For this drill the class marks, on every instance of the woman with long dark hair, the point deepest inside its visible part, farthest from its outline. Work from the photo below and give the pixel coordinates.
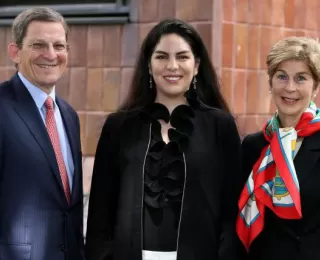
(166, 177)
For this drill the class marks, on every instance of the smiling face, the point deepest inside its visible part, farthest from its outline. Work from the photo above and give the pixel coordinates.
(42, 58)
(292, 88)
(173, 66)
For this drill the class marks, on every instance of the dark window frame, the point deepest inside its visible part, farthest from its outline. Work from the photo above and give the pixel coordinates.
(111, 13)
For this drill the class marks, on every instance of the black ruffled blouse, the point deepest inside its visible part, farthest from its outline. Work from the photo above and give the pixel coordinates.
(165, 176)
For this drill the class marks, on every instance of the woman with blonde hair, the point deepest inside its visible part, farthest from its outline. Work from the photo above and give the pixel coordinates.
(279, 215)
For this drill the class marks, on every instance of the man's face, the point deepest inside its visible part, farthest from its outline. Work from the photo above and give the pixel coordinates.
(43, 56)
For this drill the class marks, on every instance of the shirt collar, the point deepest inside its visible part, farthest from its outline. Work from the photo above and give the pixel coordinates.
(38, 95)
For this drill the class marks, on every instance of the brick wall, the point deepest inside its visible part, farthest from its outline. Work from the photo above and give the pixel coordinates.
(237, 33)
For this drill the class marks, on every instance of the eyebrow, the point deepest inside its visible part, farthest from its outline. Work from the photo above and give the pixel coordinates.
(178, 53)
(44, 41)
(300, 73)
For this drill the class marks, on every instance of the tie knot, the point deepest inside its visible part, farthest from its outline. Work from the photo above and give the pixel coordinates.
(49, 103)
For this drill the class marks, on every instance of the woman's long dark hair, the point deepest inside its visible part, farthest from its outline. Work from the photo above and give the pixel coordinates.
(208, 86)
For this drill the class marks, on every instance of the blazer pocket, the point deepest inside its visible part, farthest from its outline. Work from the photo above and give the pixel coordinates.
(15, 251)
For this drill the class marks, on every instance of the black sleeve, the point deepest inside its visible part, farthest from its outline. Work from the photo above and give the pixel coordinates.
(103, 195)
(230, 245)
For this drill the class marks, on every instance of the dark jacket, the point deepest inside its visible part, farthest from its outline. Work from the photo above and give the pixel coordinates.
(36, 222)
(290, 239)
(211, 190)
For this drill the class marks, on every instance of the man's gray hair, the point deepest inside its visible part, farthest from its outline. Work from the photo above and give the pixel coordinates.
(44, 14)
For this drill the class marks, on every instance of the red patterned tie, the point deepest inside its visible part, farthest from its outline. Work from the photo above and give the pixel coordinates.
(54, 137)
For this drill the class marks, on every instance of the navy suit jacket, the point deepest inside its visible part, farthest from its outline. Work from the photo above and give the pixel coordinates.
(36, 222)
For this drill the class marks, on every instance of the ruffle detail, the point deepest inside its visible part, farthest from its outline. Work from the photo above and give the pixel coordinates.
(164, 167)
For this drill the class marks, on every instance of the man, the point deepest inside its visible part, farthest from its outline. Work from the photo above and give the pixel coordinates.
(41, 202)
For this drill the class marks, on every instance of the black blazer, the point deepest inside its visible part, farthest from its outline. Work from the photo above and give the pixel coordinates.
(212, 188)
(36, 222)
(290, 239)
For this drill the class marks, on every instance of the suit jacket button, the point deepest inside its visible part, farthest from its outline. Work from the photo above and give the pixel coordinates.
(63, 247)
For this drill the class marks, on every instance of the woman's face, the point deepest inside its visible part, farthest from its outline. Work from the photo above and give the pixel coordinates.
(173, 66)
(292, 88)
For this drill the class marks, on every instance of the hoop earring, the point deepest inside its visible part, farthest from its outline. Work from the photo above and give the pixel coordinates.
(150, 82)
(194, 83)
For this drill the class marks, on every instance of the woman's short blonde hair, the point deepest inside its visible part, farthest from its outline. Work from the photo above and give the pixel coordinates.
(295, 48)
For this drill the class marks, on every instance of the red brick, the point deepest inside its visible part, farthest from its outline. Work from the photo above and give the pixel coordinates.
(254, 37)
(188, 12)
(262, 120)
(203, 10)
(266, 9)
(8, 38)
(3, 74)
(289, 33)
(82, 119)
(300, 33)
(94, 89)
(95, 46)
(112, 46)
(272, 108)
(278, 12)
(148, 10)
(242, 8)
(94, 124)
(229, 10)
(299, 14)
(289, 13)
(312, 8)
(167, 9)
(252, 92)
(312, 34)
(111, 89)
(78, 88)
(78, 42)
(130, 51)
(241, 45)
(240, 92)
(227, 45)
(270, 35)
(11, 71)
(227, 86)
(3, 48)
(62, 87)
(143, 32)
(247, 125)
(318, 18)
(205, 31)
(126, 76)
(264, 95)
(255, 10)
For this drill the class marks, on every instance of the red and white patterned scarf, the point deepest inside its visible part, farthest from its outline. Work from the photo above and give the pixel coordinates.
(273, 181)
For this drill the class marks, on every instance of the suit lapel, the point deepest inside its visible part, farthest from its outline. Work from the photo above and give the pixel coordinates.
(70, 126)
(29, 113)
(307, 156)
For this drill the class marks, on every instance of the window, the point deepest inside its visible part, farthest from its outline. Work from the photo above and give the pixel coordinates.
(74, 11)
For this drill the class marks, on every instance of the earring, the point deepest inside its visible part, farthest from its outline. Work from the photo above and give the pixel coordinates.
(150, 82)
(194, 83)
